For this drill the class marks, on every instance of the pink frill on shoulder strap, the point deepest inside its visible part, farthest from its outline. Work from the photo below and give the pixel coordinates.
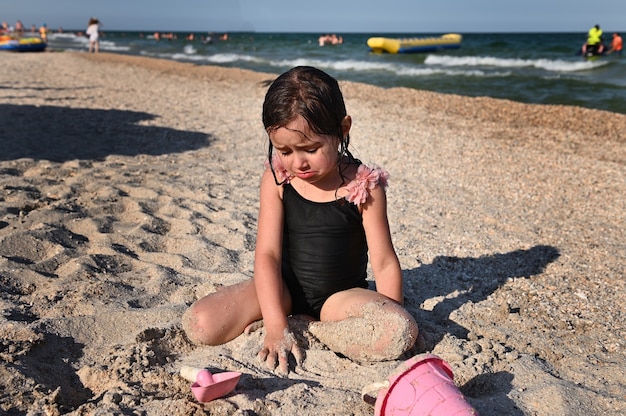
(282, 176)
(366, 179)
(358, 189)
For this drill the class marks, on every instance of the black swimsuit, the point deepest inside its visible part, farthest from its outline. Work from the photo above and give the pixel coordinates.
(324, 250)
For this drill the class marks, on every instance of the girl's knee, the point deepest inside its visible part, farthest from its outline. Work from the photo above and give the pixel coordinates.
(197, 327)
(190, 325)
(381, 331)
(408, 323)
(408, 330)
(222, 315)
(397, 332)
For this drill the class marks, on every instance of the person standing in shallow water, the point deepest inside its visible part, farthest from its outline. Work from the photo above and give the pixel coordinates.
(616, 44)
(93, 32)
(322, 212)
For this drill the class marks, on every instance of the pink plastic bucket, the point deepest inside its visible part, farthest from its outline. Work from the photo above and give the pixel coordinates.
(421, 386)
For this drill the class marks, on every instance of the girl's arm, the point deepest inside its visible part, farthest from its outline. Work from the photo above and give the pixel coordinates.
(268, 279)
(383, 258)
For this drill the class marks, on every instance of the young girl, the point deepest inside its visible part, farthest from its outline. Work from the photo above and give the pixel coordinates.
(93, 31)
(320, 212)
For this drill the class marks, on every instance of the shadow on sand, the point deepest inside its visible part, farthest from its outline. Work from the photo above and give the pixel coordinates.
(460, 280)
(60, 134)
(454, 281)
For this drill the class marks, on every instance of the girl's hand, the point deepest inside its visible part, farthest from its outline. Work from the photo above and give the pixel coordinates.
(276, 349)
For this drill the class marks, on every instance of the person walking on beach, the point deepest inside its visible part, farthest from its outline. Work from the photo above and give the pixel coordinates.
(93, 31)
(321, 209)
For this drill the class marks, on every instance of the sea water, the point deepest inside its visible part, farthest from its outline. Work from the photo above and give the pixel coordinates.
(544, 68)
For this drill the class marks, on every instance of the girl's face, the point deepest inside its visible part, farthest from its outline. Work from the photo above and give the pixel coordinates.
(305, 154)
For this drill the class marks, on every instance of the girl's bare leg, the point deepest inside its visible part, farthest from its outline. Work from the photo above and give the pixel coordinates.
(223, 315)
(364, 325)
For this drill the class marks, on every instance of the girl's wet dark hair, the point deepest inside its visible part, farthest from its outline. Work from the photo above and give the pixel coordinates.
(311, 93)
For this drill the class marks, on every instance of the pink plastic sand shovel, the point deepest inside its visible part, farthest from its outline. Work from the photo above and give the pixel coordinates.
(207, 386)
(421, 386)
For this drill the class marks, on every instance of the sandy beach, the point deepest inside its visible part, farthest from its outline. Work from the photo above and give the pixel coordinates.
(129, 188)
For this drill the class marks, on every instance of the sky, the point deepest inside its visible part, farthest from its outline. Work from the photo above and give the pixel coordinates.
(322, 16)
